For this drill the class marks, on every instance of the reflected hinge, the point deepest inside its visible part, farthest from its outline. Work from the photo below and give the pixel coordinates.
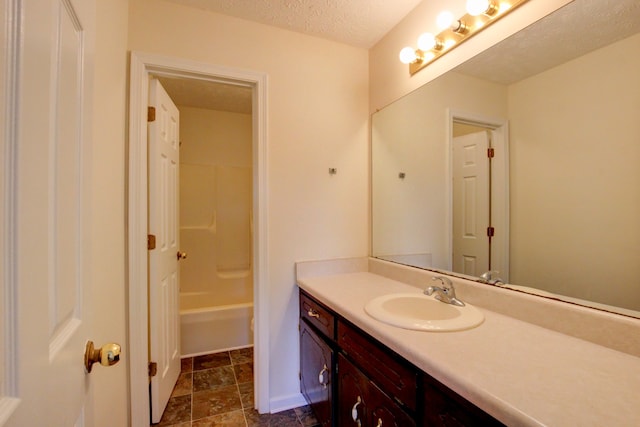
(151, 114)
(151, 242)
(153, 369)
(491, 153)
(490, 231)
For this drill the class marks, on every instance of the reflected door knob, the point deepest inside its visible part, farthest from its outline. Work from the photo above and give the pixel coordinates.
(107, 355)
(182, 255)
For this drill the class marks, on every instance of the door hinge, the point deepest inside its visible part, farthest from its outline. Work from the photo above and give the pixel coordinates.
(490, 231)
(491, 153)
(300, 375)
(153, 369)
(151, 242)
(151, 114)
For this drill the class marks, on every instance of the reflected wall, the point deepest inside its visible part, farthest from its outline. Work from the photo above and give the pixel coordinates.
(575, 177)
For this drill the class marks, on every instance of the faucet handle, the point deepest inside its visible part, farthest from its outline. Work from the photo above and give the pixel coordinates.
(446, 282)
(431, 289)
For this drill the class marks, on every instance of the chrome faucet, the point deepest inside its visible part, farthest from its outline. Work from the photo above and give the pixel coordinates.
(491, 278)
(445, 293)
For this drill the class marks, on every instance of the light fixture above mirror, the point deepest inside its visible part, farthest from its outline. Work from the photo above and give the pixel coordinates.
(480, 14)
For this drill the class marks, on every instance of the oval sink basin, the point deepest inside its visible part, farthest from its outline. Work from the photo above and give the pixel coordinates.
(420, 312)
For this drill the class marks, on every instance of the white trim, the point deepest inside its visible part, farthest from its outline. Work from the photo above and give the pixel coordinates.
(284, 403)
(11, 40)
(500, 177)
(142, 64)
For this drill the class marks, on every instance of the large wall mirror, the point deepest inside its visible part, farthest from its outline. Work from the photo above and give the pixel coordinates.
(523, 161)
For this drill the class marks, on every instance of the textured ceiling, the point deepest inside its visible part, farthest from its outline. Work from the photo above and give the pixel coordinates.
(355, 22)
(208, 95)
(572, 31)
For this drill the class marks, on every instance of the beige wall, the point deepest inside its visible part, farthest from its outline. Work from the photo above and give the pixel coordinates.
(108, 190)
(390, 79)
(317, 119)
(574, 172)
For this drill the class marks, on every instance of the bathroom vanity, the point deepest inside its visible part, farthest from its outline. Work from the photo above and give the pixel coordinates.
(358, 371)
(350, 378)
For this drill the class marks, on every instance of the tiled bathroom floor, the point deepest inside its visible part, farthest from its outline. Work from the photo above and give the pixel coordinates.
(217, 390)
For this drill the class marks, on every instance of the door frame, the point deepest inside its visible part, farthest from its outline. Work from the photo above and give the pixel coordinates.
(141, 66)
(10, 41)
(499, 176)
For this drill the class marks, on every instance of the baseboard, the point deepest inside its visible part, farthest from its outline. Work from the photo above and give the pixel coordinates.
(282, 403)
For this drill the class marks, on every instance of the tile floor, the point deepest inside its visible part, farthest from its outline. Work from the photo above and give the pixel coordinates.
(217, 390)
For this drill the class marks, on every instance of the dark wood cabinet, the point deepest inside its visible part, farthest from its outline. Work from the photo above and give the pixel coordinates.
(393, 374)
(317, 315)
(361, 403)
(445, 408)
(351, 379)
(316, 373)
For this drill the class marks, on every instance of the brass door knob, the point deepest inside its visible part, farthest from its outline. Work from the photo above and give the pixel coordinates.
(182, 255)
(107, 355)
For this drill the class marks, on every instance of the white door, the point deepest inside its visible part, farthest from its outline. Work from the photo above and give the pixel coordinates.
(164, 284)
(46, 250)
(471, 203)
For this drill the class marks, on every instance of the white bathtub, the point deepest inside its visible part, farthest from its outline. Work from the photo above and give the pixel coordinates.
(207, 329)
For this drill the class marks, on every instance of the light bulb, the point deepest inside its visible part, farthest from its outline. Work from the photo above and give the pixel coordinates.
(444, 20)
(477, 7)
(408, 55)
(427, 41)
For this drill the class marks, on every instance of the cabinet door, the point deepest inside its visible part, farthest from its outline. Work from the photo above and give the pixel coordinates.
(444, 408)
(316, 373)
(352, 395)
(362, 403)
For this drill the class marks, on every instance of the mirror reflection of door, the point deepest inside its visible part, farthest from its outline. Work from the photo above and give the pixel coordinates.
(471, 202)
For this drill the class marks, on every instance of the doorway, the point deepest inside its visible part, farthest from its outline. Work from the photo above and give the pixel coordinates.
(142, 67)
(215, 214)
(478, 194)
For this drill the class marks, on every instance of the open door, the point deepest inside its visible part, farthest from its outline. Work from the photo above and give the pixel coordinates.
(471, 203)
(164, 277)
(46, 219)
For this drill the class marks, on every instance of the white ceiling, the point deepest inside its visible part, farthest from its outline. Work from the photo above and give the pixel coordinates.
(359, 23)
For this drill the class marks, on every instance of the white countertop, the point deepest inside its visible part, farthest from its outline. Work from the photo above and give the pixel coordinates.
(520, 373)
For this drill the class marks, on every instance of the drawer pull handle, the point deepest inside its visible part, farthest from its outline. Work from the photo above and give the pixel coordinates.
(354, 411)
(321, 376)
(379, 422)
(313, 313)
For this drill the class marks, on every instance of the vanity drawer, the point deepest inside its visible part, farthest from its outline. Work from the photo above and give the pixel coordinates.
(317, 315)
(394, 377)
